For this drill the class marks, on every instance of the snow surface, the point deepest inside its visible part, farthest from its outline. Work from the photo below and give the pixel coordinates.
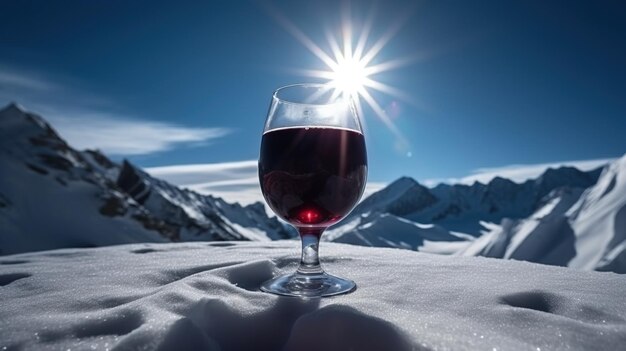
(206, 296)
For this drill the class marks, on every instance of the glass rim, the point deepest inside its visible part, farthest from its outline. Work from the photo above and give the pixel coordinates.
(349, 101)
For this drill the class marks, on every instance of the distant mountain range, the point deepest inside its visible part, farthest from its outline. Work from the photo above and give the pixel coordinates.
(564, 217)
(53, 196)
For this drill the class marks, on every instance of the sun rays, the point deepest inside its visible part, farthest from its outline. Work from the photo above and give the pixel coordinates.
(350, 62)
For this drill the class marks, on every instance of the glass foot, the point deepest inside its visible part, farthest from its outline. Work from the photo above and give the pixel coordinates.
(308, 285)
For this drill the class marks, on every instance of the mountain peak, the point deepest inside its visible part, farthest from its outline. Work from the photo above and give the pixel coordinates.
(12, 112)
(557, 171)
(404, 183)
(564, 175)
(12, 107)
(499, 181)
(403, 196)
(14, 117)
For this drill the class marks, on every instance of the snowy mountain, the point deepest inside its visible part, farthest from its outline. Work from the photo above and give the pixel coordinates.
(199, 296)
(462, 208)
(580, 229)
(388, 230)
(53, 196)
(564, 217)
(200, 217)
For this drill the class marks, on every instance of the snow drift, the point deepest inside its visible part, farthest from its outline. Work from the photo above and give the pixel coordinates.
(205, 296)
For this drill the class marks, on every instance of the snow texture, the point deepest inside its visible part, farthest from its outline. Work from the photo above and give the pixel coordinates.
(205, 296)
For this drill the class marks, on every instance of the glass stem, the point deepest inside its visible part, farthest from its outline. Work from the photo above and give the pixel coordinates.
(310, 262)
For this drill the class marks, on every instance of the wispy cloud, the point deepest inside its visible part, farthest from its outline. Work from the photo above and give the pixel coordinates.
(10, 80)
(87, 120)
(117, 135)
(518, 172)
(233, 181)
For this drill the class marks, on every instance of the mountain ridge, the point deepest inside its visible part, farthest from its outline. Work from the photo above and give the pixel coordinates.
(453, 203)
(563, 217)
(53, 196)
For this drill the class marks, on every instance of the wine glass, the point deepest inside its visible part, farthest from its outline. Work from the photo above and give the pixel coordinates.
(312, 170)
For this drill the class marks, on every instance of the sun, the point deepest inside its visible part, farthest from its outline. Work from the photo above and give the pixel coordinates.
(351, 64)
(349, 75)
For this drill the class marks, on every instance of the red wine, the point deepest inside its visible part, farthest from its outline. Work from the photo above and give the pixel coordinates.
(312, 177)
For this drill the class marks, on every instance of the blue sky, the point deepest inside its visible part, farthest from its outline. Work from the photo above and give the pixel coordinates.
(488, 84)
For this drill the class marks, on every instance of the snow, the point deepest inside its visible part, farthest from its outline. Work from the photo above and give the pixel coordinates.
(574, 228)
(209, 215)
(600, 217)
(205, 296)
(470, 209)
(564, 217)
(52, 196)
(387, 230)
(47, 190)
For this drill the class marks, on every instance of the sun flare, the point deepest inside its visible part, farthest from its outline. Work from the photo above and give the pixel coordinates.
(351, 64)
(349, 76)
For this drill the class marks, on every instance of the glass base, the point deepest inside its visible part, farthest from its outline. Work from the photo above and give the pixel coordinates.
(308, 285)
